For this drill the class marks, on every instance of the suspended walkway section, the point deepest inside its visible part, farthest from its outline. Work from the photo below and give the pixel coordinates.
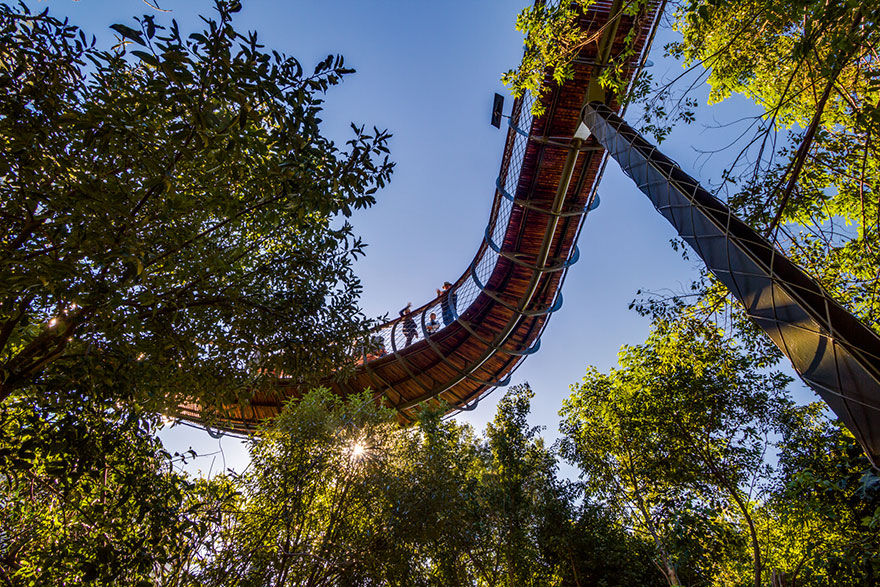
(493, 315)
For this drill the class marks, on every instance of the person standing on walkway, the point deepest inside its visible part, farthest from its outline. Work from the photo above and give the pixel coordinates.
(409, 325)
(447, 303)
(432, 325)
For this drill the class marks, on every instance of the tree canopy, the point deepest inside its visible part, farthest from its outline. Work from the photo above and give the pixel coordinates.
(172, 220)
(680, 441)
(172, 229)
(337, 493)
(685, 419)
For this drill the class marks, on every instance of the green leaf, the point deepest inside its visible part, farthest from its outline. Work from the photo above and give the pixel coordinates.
(147, 58)
(129, 33)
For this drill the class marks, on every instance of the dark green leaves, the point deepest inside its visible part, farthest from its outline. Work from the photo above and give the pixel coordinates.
(147, 58)
(91, 499)
(176, 214)
(129, 33)
(428, 505)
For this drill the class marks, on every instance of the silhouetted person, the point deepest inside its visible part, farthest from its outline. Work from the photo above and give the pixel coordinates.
(447, 303)
(409, 325)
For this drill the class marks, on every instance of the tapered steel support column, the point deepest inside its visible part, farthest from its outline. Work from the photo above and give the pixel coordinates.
(834, 353)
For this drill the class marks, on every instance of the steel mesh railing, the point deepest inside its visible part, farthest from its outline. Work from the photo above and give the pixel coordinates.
(495, 321)
(393, 336)
(516, 315)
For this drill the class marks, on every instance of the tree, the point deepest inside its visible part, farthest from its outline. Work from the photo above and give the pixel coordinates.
(822, 515)
(674, 441)
(90, 497)
(312, 506)
(493, 510)
(171, 217)
(519, 483)
(551, 532)
(811, 158)
(339, 494)
(590, 546)
(435, 513)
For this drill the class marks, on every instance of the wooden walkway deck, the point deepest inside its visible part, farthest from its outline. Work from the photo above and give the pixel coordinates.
(546, 185)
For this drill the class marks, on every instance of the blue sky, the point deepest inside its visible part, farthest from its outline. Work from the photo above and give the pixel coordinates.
(426, 71)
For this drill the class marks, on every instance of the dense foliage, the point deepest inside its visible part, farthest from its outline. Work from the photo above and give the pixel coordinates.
(339, 494)
(680, 428)
(89, 496)
(177, 237)
(336, 494)
(171, 217)
(694, 444)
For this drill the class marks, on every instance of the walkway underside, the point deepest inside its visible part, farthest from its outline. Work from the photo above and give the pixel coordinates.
(503, 300)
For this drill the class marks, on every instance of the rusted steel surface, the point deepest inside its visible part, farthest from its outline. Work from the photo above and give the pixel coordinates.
(511, 287)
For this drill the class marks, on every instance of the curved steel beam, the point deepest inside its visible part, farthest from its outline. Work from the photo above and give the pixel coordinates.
(832, 351)
(538, 267)
(493, 294)
(529, 206)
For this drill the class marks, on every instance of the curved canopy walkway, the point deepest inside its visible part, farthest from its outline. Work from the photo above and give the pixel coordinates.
(470, 339)
(493, 315)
